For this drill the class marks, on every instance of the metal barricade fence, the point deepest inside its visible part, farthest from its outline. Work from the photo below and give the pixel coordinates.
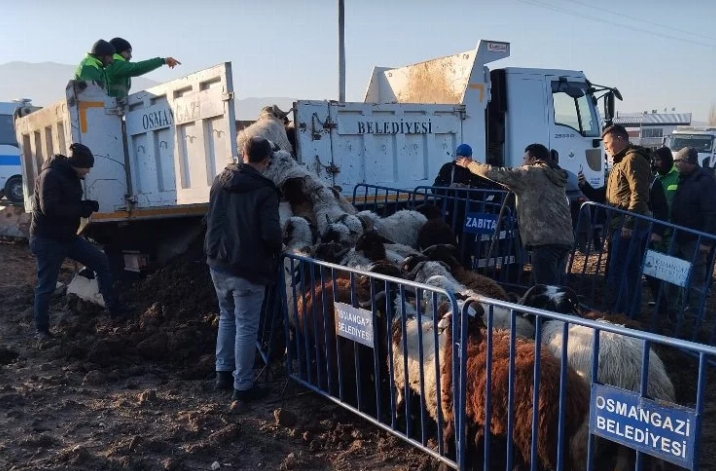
(270, 341)
(382, 200)
(347, 340)
(483, 220)
(485, 223)
(599, 385)
(658, 274)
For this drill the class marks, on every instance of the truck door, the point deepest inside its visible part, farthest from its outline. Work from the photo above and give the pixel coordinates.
(313, 138)
(575, 133)
(180, 135)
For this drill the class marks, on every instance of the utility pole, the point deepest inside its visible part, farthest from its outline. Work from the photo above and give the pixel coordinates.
(341, 52)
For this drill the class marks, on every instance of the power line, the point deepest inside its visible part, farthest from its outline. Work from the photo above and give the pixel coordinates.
(611, 12)
(612, 23)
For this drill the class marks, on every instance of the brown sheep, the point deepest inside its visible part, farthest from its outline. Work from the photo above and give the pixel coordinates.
(576, 398)
(476, 282)
(317, 334)
(293, 191)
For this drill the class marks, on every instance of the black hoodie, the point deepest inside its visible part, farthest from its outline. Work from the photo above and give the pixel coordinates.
(243, 234)
(57, 202)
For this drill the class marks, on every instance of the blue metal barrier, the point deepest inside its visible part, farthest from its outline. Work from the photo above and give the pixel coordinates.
(483, 220)
(348, 345)
(485, 223)
(657, 275)
(382, 200)
(340, 333)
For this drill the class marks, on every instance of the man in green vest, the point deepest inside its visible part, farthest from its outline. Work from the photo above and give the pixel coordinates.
(121, 70)
(92, 67)
(663, 162)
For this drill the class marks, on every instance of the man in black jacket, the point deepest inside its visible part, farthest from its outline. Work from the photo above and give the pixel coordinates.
(57, 209)
(694, 207)
(243, 238)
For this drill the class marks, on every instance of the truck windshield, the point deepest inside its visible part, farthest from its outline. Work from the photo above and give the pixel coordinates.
(700, 142)
(7, 131)
(574, 108)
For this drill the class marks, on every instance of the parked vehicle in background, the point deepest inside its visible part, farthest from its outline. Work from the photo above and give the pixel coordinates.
(10, 166)
(700, 138)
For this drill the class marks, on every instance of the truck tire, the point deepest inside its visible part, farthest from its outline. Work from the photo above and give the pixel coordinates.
(13, 189)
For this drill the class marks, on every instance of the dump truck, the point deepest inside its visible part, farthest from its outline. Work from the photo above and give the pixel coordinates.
(158, 151)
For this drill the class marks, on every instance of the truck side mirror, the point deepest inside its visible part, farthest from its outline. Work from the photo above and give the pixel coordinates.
(609, 106)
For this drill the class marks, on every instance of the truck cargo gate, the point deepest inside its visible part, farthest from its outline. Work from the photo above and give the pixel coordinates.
(342, 348)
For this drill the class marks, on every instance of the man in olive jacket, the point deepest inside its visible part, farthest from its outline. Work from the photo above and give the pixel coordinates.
(243, 240)
(627, 189)
(121, 70)
(543, 213)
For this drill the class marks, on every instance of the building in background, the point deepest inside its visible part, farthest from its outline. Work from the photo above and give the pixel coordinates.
(650, 129)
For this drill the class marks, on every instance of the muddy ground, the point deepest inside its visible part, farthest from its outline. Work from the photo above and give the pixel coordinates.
(138, 395)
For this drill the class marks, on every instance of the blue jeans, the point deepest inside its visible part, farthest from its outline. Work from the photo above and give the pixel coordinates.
(624, 272)
(50, 254)
(240, 304)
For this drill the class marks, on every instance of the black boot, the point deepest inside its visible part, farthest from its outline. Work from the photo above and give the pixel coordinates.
(224, 381)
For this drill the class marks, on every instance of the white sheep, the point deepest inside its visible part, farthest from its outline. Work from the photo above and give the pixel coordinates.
(298, 239)
(406, 348)
(620, 356)
(284, 213)
(401, 227)
(269, 125)
(437, 274)
(332, 221)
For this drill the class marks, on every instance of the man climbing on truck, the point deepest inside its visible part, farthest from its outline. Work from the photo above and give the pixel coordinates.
(93, 66)
(121, 70)
(57, 209)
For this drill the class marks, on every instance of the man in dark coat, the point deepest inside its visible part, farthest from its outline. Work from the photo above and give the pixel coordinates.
(243, 239)
(57, 209)
(694, 207)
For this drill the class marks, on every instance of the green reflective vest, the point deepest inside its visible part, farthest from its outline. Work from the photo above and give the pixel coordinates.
(91, 69)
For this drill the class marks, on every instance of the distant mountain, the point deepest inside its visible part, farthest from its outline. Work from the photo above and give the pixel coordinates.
(45, 83)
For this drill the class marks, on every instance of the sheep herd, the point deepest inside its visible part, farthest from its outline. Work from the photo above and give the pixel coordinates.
(409, 369)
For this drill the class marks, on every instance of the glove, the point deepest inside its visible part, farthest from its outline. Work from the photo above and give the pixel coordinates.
(89, 207)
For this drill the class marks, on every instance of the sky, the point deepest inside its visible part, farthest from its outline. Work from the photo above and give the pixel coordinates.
(658, 53)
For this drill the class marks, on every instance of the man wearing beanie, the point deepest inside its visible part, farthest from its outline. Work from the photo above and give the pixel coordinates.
(92, 67)
(694, 207)
(57, 209)
(663, 163)
(121, 70)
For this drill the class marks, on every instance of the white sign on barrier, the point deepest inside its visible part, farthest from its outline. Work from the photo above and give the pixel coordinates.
(354, 324)
(663, 430)
(665, 267)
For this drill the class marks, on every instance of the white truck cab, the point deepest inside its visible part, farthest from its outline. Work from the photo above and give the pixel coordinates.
(700, 138)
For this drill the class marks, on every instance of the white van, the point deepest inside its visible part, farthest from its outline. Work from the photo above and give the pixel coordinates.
(10, 168)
